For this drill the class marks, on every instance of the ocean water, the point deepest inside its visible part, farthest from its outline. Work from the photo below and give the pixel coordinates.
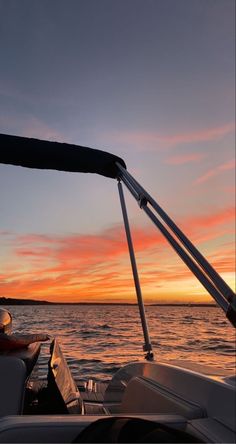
(98, 339)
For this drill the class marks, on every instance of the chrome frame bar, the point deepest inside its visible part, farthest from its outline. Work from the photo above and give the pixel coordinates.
(195, 261)
(147, 345)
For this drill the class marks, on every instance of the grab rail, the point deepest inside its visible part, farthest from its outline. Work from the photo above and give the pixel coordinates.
(195, 261)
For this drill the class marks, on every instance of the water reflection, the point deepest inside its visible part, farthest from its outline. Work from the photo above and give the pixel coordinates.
(97, 340)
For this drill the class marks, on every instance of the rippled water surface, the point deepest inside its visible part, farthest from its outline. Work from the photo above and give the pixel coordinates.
(98, 339)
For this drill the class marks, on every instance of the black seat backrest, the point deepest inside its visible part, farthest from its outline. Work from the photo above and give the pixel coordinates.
(13, 375)
(63, 391)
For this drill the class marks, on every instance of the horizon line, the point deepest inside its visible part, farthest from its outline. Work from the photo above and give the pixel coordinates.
(16, 301)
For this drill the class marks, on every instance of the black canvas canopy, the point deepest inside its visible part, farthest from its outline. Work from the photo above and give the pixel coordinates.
(42, 154)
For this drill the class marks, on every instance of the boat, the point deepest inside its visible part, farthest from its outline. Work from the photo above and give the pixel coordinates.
(149, 401)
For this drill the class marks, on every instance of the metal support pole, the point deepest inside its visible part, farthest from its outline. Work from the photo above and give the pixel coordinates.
(200, 267)
(137, 190)
(147, 346)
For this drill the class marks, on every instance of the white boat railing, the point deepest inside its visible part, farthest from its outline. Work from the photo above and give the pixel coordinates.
(191, 256)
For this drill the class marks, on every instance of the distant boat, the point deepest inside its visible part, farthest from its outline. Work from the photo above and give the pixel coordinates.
(148, 401)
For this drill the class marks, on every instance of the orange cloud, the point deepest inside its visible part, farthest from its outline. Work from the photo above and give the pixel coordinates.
(213, 219)
(216, 171)
(80, 248)
(96, 267)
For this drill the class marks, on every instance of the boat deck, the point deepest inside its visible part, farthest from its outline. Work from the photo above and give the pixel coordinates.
(93, 391)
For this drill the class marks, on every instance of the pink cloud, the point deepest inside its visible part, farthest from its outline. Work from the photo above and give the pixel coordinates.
(215, 171)
(29, 126)
(185, 158)
(230, 190)
(156, 140)
(35, 128)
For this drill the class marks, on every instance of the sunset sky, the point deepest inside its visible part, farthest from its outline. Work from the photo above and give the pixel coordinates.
(149, 80)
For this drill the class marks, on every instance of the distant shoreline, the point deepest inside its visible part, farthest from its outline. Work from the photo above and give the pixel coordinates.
(14, 301)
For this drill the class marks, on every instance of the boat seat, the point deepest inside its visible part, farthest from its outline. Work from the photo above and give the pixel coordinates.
(15, 368)
(143, 395)
(13, 374)
(63, 392)
(28, 355)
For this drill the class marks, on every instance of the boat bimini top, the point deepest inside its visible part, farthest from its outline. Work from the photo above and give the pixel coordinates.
(33, 153)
